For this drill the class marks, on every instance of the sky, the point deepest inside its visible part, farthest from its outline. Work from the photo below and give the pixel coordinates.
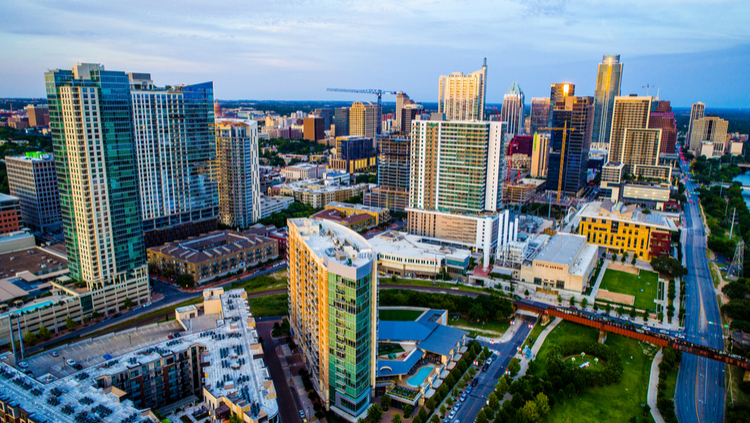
(294, 49)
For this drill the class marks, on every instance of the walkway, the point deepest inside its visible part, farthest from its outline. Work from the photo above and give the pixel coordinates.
(653, 383)
(592, 298)
(537, 346)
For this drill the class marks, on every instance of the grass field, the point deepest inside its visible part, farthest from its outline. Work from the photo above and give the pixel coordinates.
(489, 328)
(644, 286)
(419, 282)
(612, 403)
(399, 315)
(538, 328)
(271, 305)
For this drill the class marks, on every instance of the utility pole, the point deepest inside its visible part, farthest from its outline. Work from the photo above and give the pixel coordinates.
(731, 229)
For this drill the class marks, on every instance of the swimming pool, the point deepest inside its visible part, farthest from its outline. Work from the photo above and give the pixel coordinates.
(27, 309)
(420, 376)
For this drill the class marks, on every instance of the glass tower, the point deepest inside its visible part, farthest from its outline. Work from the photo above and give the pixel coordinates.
(608, 81)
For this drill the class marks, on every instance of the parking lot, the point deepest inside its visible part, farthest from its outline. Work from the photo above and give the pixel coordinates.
(90, 353)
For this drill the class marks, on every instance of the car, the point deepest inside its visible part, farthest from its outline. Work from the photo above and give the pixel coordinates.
(29, 372)
(447, 420)
(452, 414)
(457, 406)
(137, 308)
(177, 335)
(468, 389)
(70, 362)
(107, 357)
(302, 414)
(474, 382)
(54, 354)
(485, 367)
(170, 337)
(77, 366)
(463, 397)
(489, 360)
(148, 304)
(116, 315)
(456, 421)
(23, 364)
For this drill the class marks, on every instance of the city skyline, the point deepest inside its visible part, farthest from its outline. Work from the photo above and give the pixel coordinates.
(284, 45)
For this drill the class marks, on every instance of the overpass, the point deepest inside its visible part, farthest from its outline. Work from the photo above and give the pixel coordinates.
(631, 330)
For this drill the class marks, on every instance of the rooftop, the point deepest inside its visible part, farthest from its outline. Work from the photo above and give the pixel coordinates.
(360, 207)
(32, 260)
(404, 244)
(317, 186)
(210, 246)
(334, 242)
(561, 249)
(626, 213)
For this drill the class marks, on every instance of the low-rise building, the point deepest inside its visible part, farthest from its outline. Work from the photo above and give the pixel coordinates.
(564, 263)
(522, 192)
(407, 256)
(316, 193)
(337, 177)
(275, 204)
(651, 196)
(213, 255)
(355, 222)
(303, 171)
(381, 215)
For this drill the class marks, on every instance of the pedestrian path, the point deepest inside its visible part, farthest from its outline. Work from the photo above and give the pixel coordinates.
(653, 383)
(537, 346)
(595, 290)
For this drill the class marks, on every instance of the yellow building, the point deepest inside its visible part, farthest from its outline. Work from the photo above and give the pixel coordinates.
(622, 228)
(381, 215)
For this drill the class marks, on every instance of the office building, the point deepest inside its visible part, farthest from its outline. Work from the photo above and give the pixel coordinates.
(364, 120)
(608, 81)
(33, 180)
(317, 193)
(565, 262)
(332, 312)
(401, 99)
(340, 122)
(212, 255)
(577, 114)
(407, 256)
(175, 153)
(326, 114)
(539, 115)
(394, 166)
(239, 176)
(519, 151)
(10, 213)
(629, 112)
(354, 154)
(697, 111)
(513, 110)
(96, 162)
(462, 97)
(303, 171)
(557, 95)
(274, 204)
(709, 136)
(38, 115)
(409, 113)
(313, 128)
(539, 155)
(662, 117)
(624, 228)
(639, 147)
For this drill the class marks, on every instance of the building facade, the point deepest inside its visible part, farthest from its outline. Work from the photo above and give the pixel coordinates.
(639, 147)
(608, 82)
(709, 130)
(10, 213)
(354, 154)
(630, 112)
(303, 171)
(662, 117)
(578, 115)
(539, 115)
(539, 155)
(557, 97)
(340, 122)
(316, 193)
(697, 111)
(313, 128)
(239, 177)
(364, 120)
(33, 179)
(38, 115)
(462, 97)
(333, 310)
(513, 110)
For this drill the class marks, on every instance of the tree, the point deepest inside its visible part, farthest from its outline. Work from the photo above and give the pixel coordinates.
(645, 316)
(374, 414)
(596, 306)
(559, 299)
(443, 410)
(634, 260)
(584, 303)
(408, 409)
(422, 414)
(608, 308)
(188, 281)
(530, 412)
(633, 313)
(494, 403)
(430, 404)
(235, 419)
(570, 390)
(572, 301)
(127, 303)
(396, 418)
(44, 333)
(29, 337)
(455, 392)
(449, 401)
(620, 310)
(472, 371)
(481, 417)
(435, 419)
(542, 403)
(386, 402)
(70, 323)
(526, 293)
(514, 367)
(614, 257)
(502, 387)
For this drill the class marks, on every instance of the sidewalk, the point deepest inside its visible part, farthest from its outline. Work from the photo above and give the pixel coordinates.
(653, 382)
(537, 346)
(595, 290)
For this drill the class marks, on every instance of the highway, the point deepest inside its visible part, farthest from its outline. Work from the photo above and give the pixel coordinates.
(700, 392)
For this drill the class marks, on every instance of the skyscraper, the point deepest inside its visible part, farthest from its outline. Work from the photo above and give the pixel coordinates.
(332, 311)
(513, 110)
(662, 118)
(394, 167)
(33, 179)
(578, 114)
(557, 95)
(175, 153)
(363, 119)
(608, 81)
(629, 112)
(38, 115)
(539, 153)
(462, 97)
(95, 156)
(341, 122)
(401, 99)
(539, 114)
(639, 147)
(697, 111)
(239, 174)
(709, 130)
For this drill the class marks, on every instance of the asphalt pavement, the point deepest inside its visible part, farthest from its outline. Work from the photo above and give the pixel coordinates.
(700, 392)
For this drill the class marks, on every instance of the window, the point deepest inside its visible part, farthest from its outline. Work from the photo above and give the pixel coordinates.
(560, 285)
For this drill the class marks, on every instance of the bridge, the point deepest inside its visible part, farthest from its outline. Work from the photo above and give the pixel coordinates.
(631, 330)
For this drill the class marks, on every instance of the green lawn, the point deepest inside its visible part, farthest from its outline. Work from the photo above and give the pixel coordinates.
(383, 280)
(672, 382)
(261, 283)
(643, 286)
(612, 403)
(270, 305)
(538, 328)
(490, 327)
(399, 315)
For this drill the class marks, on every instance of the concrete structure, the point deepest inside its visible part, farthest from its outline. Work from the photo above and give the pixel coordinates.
(735, 147)
(578, 114)
(303, 171)
(712, 130)
(175, 157)
(662, 117)
(557, 97)
(620, 228)
(564, 263)
(476, 232)
(630, 112)
(213, 255)
(336, 177)
(462, 97)
(333, 311)
(274, 204)
(697, 111)
(33, 179)
(408, 256)
(239, 177)
(381, 215)
(652, 196)
(612, 175)
(539, 156)
(354, 154)
(316, 193)
(608, 82)
(38, 115)
(394, 167)
(639, 147)
(313, 128)
(364, 120)
(513, 110)
(539, 114)
(522, 191)
(95, 157)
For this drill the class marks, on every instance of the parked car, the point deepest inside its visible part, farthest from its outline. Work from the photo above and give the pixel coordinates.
(452, 414)
(177, 335)
(148, 304)
(70, 362)
(468, 389)
(23, 364)
(457, 406)
(489, 360)
(463, 397)
(29, 372)
(107, 357)
(475, 382)
(485, 367)
(54, 354)
(77, 366)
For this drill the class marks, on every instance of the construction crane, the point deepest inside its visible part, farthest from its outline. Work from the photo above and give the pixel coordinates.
(378, 93)
(565, 130)
(648, 86)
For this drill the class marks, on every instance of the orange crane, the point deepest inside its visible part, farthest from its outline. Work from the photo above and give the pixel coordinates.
(565, 130)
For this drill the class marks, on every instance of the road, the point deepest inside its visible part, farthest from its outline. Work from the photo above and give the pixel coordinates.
(477, 399)
(700, 392)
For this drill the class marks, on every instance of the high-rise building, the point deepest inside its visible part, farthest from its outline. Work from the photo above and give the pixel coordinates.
(639, 147)
(364, 119)
(608, 81)
(95, 156)
(394, 167)
(539, 154)
(539, 114)
(354, 154)
(333, 312)
(33, 179)
(327, 114)
(513, 110)
(401, 99)
(557, 95)
(239, 174)
(313, 128)
(38, 115)
(697, 111)
(709, 130)
(340, 122)
(662, 117)
(175, 156)
(629, 112)
(462, 97)
(578, 114)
